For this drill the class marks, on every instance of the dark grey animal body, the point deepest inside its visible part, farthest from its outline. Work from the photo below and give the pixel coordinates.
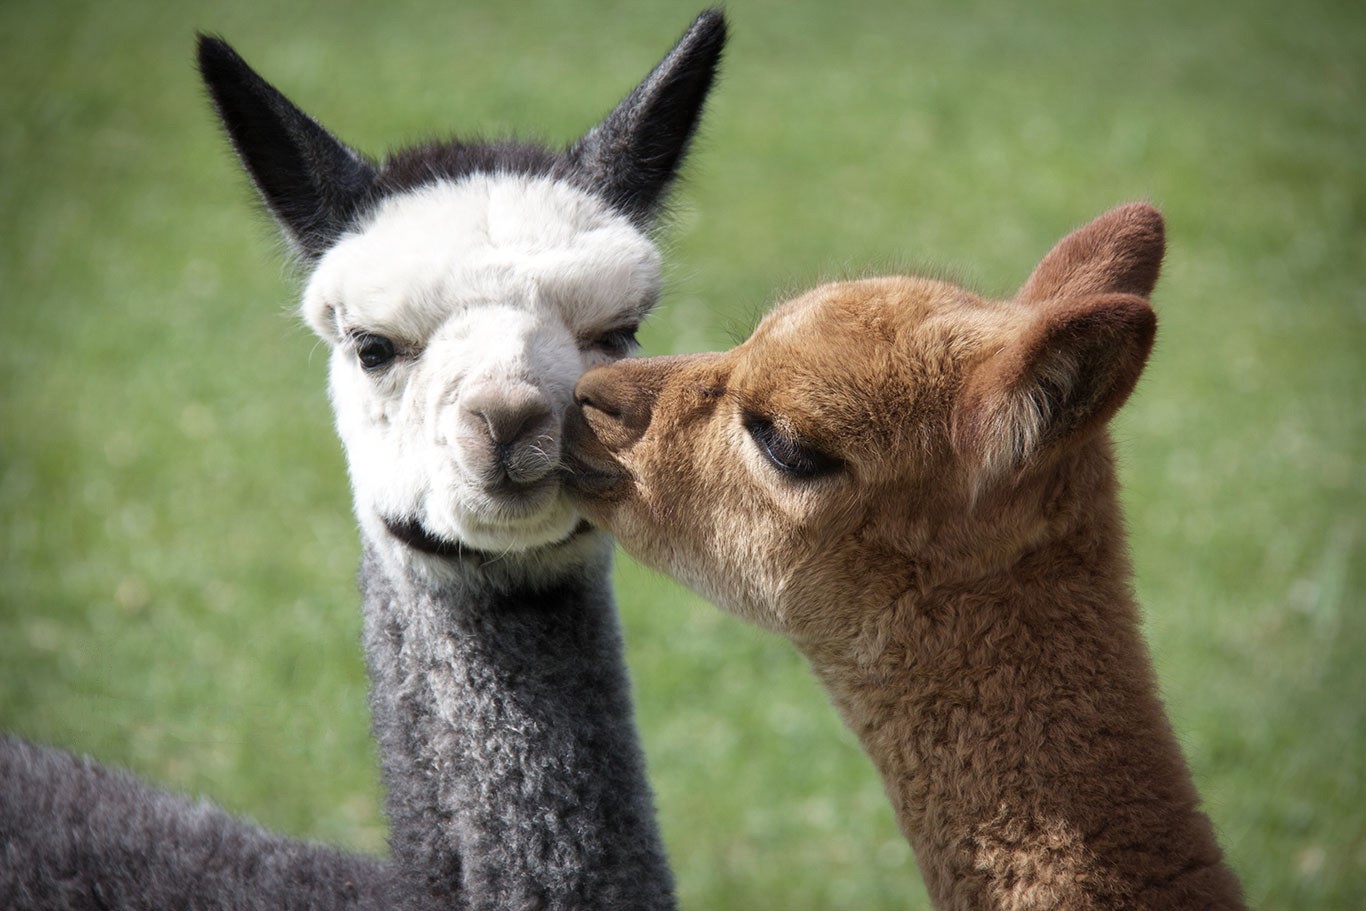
(500, 697)
(503, 714)
(75, 834)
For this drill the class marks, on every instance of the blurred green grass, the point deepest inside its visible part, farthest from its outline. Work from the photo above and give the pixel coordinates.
(176, 588)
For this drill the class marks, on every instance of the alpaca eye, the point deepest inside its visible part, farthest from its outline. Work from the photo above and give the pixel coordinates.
(786, 454)
(374, 351)
(618, 342)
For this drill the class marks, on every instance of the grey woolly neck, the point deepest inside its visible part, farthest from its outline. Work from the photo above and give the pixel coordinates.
(503, 712)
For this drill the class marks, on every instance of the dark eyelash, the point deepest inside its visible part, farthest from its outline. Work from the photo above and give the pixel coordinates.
(375, 352)
(617, 342)
(787, 454)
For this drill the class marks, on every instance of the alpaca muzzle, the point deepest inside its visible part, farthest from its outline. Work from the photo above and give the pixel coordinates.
(588, 469)
(512, 435)
(618, 400)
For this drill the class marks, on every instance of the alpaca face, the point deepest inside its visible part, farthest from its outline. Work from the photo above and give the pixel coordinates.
(464, 287)
(460, 317)
(871, 438)
(771, 476)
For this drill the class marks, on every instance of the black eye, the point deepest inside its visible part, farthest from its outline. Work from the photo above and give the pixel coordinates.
(789, 455)
(617, 342)
(374, 351)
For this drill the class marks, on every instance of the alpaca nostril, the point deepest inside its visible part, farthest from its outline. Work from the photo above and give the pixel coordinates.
(596, 390)
(616, 409)
(584, 400)
(505, 412)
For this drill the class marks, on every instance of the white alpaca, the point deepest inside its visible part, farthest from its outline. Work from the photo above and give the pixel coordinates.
(460, 318)
(463, 288)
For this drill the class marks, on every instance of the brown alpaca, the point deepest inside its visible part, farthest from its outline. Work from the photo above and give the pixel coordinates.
(916, 486)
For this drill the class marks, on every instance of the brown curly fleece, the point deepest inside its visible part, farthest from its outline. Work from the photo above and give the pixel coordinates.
(917, 488)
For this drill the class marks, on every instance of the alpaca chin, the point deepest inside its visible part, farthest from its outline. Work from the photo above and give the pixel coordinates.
(495, 531)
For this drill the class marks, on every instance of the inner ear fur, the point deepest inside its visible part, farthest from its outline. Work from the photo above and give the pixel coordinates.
(1065, 375)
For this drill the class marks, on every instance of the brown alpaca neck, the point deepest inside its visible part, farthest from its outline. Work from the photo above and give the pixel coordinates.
(1016, 724)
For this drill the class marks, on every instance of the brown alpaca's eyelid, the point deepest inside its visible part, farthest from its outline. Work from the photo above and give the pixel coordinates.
(788, 454)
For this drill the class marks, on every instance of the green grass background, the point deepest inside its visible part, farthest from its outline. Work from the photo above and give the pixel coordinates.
(176, 589)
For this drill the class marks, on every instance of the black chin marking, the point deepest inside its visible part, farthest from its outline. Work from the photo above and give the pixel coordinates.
(412, 533)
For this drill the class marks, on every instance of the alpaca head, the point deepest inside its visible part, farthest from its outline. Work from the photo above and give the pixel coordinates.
(463, 288)
(870, 436)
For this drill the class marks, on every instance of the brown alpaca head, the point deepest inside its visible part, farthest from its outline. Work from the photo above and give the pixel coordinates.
(872, 436)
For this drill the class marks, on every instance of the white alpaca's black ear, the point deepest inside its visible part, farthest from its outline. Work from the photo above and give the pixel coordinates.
(633, 156)
(312, 184)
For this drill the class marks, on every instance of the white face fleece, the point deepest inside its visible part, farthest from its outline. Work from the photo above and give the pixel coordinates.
(494, 290)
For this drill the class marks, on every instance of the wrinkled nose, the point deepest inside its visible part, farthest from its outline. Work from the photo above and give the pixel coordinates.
(518, 426)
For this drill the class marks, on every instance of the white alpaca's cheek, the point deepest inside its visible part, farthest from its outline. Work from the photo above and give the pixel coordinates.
(371, 426)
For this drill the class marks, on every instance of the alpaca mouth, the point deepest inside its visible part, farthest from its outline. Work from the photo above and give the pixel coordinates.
(508, 499)
(585, 480)
(587, 472)
(414, 534)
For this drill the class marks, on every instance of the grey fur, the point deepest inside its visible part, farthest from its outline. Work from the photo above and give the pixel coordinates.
(501, 701)
(77, 835)
(503, 713)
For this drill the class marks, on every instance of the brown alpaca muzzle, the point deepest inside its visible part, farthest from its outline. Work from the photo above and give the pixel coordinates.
(618, 400)
(588, 470)
(613, 408)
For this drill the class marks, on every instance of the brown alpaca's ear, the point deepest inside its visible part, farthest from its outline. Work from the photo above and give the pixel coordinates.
(1088, 333)
(1121, 251)
(1067, 374)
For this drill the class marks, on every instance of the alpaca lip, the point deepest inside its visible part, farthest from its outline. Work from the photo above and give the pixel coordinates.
(584, 477)
(583, 480)
(512, 500)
